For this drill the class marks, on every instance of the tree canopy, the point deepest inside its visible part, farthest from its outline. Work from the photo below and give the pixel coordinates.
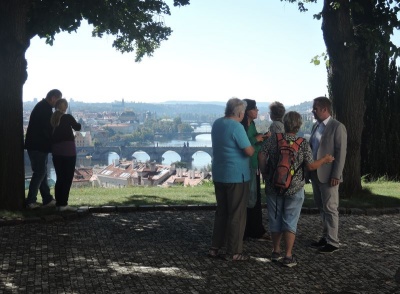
(136, 24)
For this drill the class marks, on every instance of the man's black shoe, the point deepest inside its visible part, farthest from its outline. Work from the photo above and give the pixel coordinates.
(328, 248)
(322, 242)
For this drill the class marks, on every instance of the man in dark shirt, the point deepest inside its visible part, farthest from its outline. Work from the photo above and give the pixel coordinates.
(38, 145)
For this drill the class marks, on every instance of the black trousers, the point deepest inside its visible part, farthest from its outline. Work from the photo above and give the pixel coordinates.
(65, 169)
(254, 225)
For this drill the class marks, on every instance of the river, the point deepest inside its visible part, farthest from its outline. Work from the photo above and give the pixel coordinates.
(200, 159)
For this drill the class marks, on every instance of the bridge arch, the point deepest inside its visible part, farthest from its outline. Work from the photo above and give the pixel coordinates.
(200, 156)
(111, 156)
(174, 155)
(140, 155)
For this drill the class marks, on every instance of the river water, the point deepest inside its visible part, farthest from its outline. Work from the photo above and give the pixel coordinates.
(200, 159)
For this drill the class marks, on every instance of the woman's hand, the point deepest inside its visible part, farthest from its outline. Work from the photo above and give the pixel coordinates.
(260, 138)
(328, 158)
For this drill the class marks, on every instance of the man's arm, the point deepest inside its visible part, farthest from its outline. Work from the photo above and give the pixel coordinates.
(340, 150)
(317, 163)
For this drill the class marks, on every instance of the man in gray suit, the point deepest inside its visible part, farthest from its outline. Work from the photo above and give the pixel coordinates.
(328, 136)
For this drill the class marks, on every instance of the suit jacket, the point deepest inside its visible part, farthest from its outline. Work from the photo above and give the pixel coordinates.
(334, 142)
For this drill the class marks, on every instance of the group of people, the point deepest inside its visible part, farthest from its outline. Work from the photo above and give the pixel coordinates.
(241, 154)
(51, 132)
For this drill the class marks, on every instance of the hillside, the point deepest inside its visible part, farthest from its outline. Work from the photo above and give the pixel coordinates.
(184, 109)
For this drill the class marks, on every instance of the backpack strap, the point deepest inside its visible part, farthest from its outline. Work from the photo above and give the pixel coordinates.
(280, 143)
(297, 143)
(299, 140)
(297, 147)
(279, 137)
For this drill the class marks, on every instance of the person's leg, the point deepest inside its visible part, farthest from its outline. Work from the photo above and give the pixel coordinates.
(330, 203)
(237, 204)
(276, 241)
(70, 162)
(44, 186)
(221, 216)
(274, 206)
(316, 184)
(63, 166)
(254, 225)
(58, 167)
(291, 215)
(289, 242)
(290, 259)
(39, 178)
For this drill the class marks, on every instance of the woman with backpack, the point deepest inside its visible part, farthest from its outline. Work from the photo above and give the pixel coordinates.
(282, 160)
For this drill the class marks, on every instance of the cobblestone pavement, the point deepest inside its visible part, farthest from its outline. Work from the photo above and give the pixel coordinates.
(165, 252)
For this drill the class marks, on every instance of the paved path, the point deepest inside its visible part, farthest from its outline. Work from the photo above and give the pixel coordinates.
(164, 252)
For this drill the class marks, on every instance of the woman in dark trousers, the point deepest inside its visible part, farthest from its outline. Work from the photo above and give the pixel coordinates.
(254, 225)
(64, 153)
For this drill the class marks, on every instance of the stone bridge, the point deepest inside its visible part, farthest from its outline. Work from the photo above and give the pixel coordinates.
(191, 134)
(155, 152)
(194, 134)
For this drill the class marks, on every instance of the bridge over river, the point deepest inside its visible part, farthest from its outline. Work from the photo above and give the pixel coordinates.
(155, 152)
(193, 134)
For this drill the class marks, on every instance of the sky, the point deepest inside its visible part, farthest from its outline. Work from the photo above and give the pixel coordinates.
(257, 49)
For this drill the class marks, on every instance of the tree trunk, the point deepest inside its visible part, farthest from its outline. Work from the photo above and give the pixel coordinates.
(13, 45)
(350, 64)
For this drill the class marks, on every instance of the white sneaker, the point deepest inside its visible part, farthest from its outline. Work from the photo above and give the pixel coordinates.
(33, 205)
(66, 208)
(52, 203)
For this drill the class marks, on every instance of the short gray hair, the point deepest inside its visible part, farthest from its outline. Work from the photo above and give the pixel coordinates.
(276, 110)
(234, 107)
(292, 122)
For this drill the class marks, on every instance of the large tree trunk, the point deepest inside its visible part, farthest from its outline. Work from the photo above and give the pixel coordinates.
(13, 44)
(350, 64)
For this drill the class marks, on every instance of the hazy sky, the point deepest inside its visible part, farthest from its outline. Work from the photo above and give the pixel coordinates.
(259, 49)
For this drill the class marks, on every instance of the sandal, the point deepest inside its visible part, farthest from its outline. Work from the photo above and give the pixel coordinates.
(213, 252)
(240, 257)
(263, 238)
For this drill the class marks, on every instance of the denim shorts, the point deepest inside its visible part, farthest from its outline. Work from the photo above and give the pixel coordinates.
(284, 211)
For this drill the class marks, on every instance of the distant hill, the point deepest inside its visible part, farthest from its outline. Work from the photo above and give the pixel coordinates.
(184, 109)
(221, 103)
(302, 107)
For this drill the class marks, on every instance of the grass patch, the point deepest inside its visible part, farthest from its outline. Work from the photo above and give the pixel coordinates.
(142, 196)
(379, 194)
